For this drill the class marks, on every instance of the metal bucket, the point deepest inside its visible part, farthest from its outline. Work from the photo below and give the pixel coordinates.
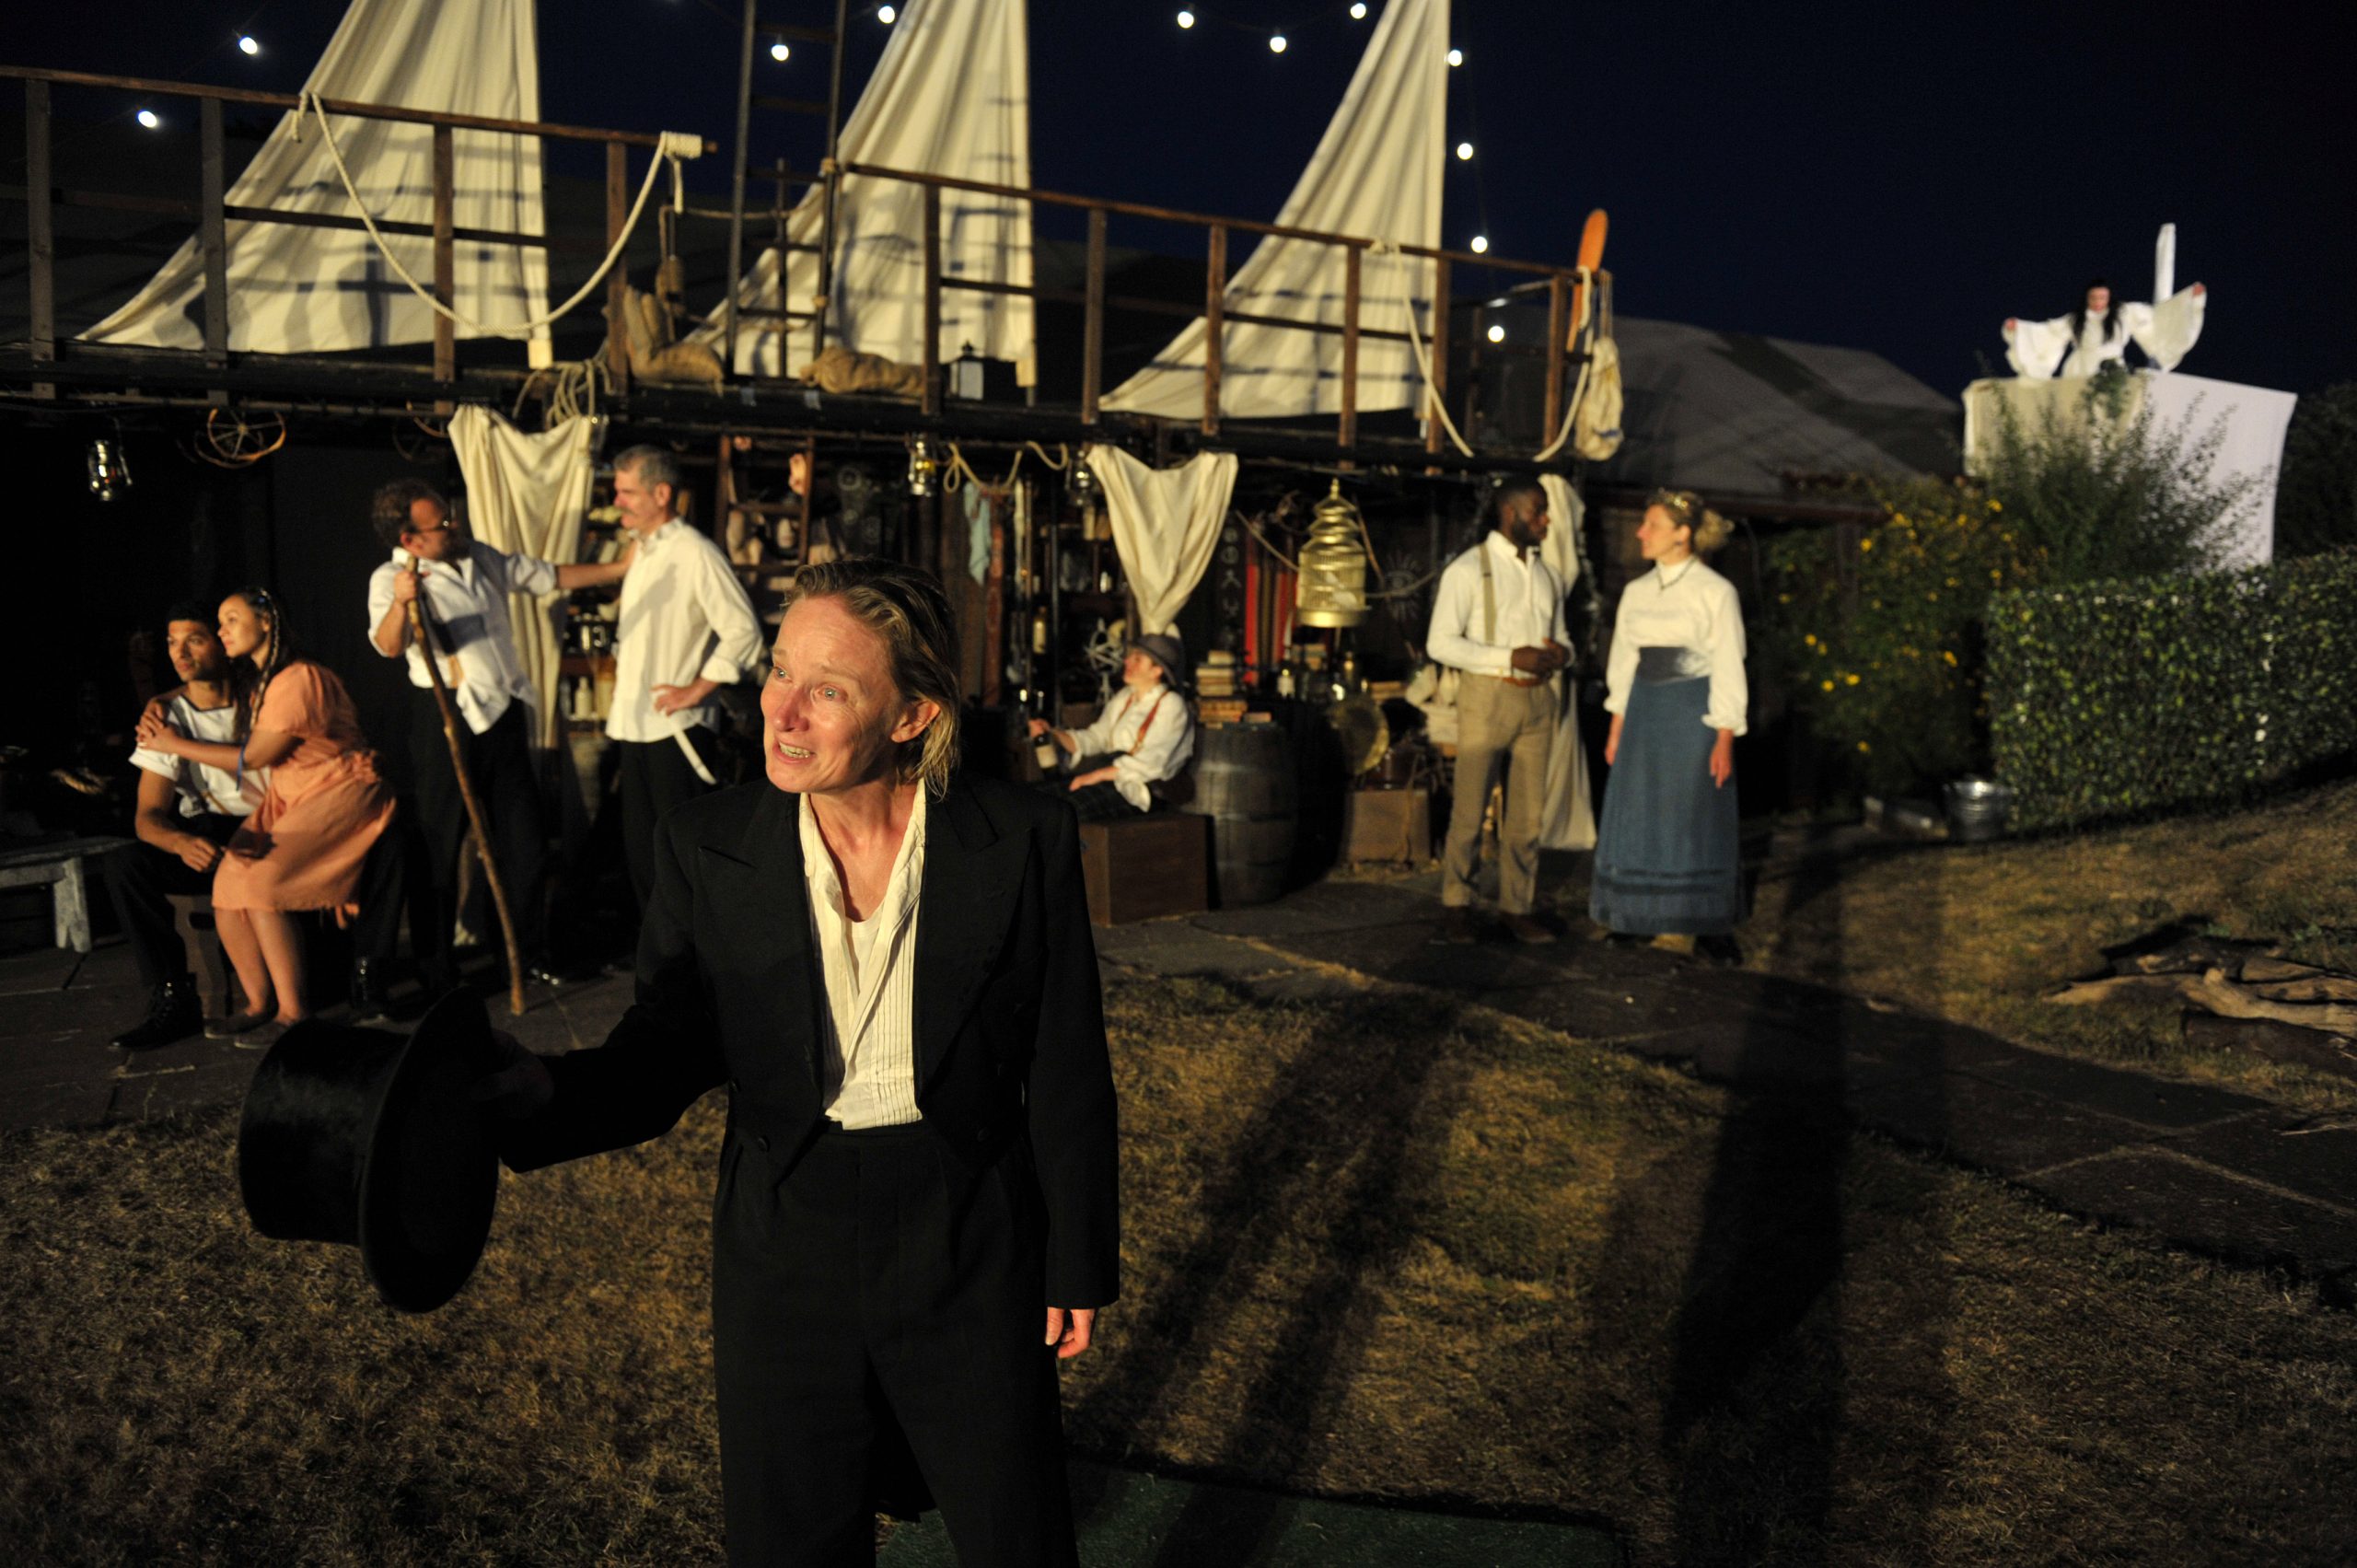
(1976, 810)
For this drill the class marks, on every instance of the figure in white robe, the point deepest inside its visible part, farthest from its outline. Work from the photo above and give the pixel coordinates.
(2100, 331)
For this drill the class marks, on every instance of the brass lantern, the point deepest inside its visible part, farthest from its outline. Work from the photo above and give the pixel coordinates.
(924, 467)
(1333, 565)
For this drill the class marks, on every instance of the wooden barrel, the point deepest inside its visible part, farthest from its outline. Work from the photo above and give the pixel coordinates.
(1244, 783)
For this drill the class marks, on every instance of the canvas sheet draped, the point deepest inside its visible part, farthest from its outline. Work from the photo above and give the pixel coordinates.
(2253, 421)
(951, 96)
(527, 495)
(1166, 525)
(1376, 173)
(298, 290)
(1567, 820)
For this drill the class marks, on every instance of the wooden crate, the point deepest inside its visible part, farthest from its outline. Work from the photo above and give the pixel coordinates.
(1388, 824)
(1138, 867)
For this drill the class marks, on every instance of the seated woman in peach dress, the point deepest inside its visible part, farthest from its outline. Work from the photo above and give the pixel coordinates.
(303, 847)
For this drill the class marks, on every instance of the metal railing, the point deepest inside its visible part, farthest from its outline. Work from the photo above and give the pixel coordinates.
(213, 212)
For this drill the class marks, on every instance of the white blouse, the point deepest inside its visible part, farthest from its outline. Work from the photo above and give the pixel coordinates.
(1688, 607)
(2166, 331)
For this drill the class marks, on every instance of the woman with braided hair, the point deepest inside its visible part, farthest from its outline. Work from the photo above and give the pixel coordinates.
(305, 845)
(1666, 850)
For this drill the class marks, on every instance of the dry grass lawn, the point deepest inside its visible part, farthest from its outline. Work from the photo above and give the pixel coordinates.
(1977, 934)
(1385, 1246)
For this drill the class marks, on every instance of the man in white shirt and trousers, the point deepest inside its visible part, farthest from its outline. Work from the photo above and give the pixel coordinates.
(466, 583)
(1497, 620)
(687, 629)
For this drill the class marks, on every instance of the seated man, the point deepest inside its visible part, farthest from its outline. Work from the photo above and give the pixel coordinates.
(1144, 739)
(186, 813)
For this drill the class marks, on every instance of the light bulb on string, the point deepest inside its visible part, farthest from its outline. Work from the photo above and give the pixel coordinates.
(1358, 10)
(1497, 333)
(1464, 152)
(1457, 57)
(887, 15)
(1277, 43)
(1480, 245)
(1186, 19)
(780, 52)
(247, 44)
(151, 120)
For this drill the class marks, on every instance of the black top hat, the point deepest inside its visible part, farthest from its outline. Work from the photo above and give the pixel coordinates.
(362, 1135)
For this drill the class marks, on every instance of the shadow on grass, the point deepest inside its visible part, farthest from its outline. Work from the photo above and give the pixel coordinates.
(1766, 1332)
(1353, 1127)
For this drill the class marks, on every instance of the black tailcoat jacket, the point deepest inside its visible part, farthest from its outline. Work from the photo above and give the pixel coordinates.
(1009, 1022)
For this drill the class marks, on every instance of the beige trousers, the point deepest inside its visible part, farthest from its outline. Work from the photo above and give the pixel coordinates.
(1499, 724)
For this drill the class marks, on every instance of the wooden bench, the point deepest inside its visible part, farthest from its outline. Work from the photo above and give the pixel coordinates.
(200, 939)
(63, 867)
(1139, 867)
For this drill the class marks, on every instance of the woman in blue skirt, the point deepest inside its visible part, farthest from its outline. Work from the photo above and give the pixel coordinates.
(1665, 851)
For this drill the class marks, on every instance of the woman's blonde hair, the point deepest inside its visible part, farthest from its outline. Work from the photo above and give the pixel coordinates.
(1710, 530)
(905, 607)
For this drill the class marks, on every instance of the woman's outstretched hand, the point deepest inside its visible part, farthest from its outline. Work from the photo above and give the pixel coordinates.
(1722, 759)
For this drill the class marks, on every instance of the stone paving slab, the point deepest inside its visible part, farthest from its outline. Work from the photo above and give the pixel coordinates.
(1125, 1518)
(2206, 1208)
(1322, 906)
(1180, 948)
(2157, 1103)
(2315, 1158)
(2007, 1131)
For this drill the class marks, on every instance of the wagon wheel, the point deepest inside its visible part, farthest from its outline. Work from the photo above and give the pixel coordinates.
(418, 439)
(240, 439)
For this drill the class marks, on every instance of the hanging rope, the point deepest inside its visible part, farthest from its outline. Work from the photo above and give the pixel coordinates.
(675, 146)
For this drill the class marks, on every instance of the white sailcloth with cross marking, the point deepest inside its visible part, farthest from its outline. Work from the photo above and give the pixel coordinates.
(294, 289)
(951, 96)
(1377, 174)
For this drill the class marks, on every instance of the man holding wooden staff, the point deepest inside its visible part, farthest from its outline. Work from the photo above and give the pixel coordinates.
(464, 586)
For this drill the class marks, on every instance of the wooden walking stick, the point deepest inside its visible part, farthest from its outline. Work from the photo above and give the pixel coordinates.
(477, 833)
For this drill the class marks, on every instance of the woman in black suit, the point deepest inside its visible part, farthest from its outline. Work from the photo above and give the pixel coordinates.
(889, 966)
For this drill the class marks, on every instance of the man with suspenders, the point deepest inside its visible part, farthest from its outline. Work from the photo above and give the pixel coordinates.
(1497, 620)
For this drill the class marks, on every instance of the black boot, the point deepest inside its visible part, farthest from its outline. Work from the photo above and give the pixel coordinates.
(372, 1003)
(174, 1011)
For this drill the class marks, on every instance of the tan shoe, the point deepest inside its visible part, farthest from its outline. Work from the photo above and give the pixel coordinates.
(1528, 928)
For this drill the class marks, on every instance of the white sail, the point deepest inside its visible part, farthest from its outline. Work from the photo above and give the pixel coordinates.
(951, 96)
(296, 290)
(1376, 173)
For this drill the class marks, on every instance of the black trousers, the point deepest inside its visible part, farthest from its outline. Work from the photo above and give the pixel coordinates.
(653, 777)
(884, 1292)
(499, 764)
(1092, 803)
(141, 878)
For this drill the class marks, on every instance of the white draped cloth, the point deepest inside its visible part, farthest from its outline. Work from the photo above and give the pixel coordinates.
(2166, 332)
(1166, 525)
(1567, 820)
(527, 495)
(951, 96)
(1376, 173)
(301, 290)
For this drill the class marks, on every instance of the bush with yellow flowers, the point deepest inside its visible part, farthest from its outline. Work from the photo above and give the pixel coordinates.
(1876, 629)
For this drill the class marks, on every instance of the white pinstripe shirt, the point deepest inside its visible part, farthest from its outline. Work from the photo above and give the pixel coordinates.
(868, 1075)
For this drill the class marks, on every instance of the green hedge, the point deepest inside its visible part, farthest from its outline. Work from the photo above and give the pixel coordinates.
(2119, 698)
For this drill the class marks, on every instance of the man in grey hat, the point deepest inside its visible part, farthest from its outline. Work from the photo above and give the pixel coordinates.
(1144, 739)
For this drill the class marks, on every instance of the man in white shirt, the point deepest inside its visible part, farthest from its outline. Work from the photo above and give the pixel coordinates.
(1498, 619)
(185, 814)
(465, 584)
(1143, 741)
(687, 629)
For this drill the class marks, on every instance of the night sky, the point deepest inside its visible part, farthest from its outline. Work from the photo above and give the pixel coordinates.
(1888, 178)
